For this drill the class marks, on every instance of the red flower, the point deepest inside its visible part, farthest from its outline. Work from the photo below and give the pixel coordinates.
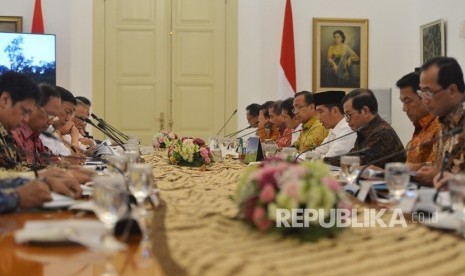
(249, 208)
(199, 142)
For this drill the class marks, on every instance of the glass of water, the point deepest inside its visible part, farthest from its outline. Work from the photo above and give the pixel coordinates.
(111, 204)
(397, 178)
(350, 167)
(457, 193)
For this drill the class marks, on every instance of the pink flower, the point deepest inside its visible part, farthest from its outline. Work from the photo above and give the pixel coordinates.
(260, 220)
(161, 139)
(172, 136)
(249, 208)
(291, 189)
(267, 194)
(332, 183)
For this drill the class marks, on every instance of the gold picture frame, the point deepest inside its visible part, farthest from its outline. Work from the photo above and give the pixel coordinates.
(12, 24)
(432, 40)
(342, 64)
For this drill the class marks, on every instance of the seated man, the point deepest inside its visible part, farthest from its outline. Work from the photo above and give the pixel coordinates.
(290, 119)
(313, 132)
(442, 90)
(285, 134)
(18, 96)
(330, 113)
(83, 111)
(265, 130)
(421, 155)
(376, 139)
(28, 194)
(252, 112)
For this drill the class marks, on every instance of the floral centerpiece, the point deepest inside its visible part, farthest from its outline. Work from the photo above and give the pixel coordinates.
(163, 139)
(190, 152)
(274, 187)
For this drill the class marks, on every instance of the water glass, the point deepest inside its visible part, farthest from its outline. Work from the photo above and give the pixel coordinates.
(117, 163)
(288, 153)
(312, 156)
(350, 167)
(132, 152)
(216, 155)
(270, 149)
(397, 178)
(140, 181)
(133, 140)
(457, 193)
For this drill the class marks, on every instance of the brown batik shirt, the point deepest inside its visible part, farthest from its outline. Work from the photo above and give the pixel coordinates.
(375, 141)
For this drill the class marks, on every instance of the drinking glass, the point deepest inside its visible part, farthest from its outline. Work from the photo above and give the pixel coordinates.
(134, 140)
(132, 151)
(397, 178)
(457, 193)
(141, 186)
(288, 153)
(117, 163)
(312, 155)
(270, 149)
(111, 204)
(350, 167)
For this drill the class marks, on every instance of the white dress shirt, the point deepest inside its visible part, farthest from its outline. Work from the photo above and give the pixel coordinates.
(340, 146)
(296, 133)
(54, 145)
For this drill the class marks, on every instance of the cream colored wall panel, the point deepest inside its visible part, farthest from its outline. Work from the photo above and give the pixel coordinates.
(135, 53)
(194, 115)
(195, 12)
(143, 99)
(194, 56)
(136, 11)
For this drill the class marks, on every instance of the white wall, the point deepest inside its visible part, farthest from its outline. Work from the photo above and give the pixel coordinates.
(393, 44)
(71, 22)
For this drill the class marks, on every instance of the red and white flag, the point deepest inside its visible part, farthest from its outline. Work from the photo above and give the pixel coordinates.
(287, 75)
(37, 20)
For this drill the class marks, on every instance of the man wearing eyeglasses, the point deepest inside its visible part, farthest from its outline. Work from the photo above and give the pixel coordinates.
(375, 137)
(313, 132)
(27, 135)
(442, 90)
(421, 154)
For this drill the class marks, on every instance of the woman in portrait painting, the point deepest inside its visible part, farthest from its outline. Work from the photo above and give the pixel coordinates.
(340, 59)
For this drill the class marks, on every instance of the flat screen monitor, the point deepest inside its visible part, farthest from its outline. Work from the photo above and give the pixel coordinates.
(31, 54)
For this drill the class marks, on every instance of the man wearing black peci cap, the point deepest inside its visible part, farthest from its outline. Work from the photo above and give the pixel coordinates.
(330, 113)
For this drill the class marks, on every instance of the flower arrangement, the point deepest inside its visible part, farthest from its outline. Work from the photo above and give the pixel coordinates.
(190, 152)
(164, 139)
(281, 185)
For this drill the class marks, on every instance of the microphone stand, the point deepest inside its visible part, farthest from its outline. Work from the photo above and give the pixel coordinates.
(230, 117)
(124, 136)
(327, 142)
(117, 141)
(239, 131)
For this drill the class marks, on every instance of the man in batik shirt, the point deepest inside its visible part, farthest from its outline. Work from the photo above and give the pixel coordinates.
(313, 132)
(443, 93)
(422, 148)
(376, 139)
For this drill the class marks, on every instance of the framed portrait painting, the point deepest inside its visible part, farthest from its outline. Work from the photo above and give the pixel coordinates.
(11, 24)
(340, 54)
(432, 40)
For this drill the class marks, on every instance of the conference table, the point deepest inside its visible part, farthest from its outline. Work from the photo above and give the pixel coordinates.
(195, 231)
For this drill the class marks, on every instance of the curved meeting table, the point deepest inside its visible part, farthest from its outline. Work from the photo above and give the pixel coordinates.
(195, 232)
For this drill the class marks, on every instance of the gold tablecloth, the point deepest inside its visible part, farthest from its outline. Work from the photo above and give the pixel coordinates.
(196, 233)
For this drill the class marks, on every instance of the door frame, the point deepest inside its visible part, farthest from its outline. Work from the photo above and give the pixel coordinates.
(98, 59)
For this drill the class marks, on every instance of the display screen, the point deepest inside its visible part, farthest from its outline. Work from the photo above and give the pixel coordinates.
(31, 54)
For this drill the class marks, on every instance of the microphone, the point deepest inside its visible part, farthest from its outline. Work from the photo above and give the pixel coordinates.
(330, 141)
(124, 136)
(452, 132)
(251, 132)
(102, 126)
(117, 141)
(239, 131)
(230, 117)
